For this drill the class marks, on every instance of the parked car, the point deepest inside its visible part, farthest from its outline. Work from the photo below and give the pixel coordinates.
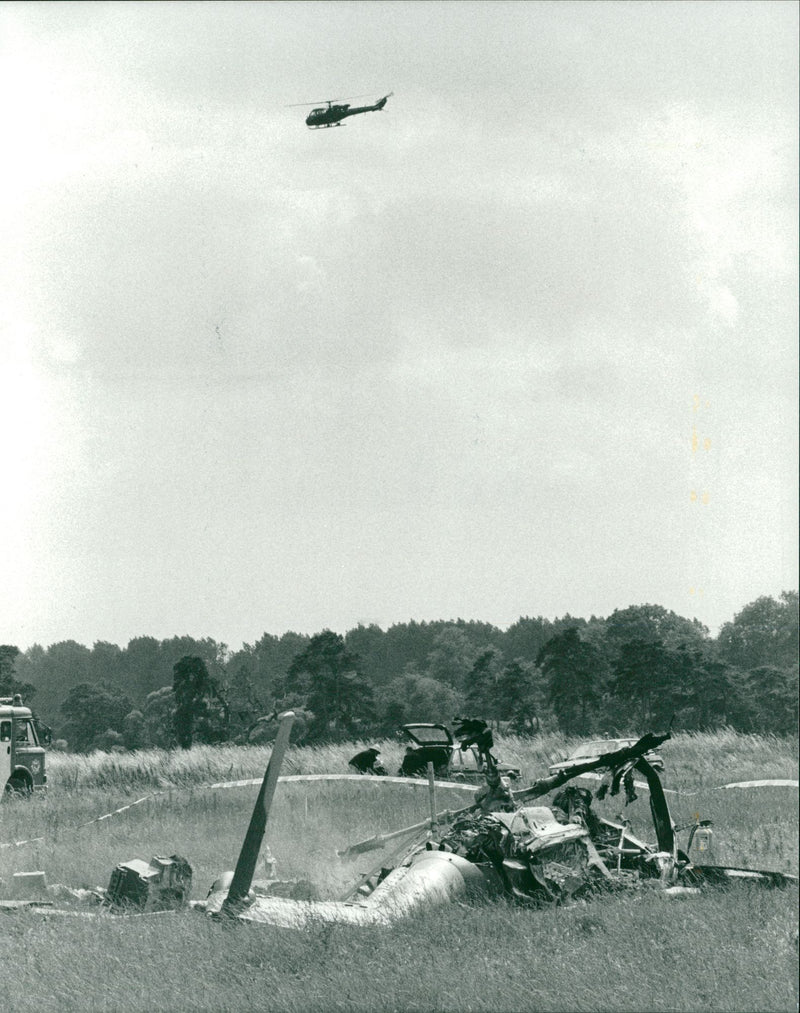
(433, 743)
(596, 747)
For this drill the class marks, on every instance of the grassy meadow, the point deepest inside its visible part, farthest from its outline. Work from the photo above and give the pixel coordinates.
(728, 950)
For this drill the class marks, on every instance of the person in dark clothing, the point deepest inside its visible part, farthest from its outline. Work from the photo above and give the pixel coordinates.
(368, 761)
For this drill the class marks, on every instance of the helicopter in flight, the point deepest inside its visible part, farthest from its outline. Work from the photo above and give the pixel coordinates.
(334, 114)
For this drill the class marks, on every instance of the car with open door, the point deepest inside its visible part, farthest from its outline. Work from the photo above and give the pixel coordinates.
(434, 743)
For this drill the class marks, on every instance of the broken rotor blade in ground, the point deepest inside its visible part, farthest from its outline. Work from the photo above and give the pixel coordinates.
(248, 856)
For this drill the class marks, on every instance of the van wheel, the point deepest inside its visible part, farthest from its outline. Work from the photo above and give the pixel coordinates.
(18, 787)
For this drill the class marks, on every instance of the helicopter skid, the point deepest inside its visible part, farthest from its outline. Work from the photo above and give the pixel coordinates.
(327, 126)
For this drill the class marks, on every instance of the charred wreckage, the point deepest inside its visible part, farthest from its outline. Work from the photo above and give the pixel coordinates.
(504, 844)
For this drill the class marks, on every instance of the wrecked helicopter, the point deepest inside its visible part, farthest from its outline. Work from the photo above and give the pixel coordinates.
(504, 844)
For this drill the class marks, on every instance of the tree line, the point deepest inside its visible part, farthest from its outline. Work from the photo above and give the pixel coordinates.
(637, 669)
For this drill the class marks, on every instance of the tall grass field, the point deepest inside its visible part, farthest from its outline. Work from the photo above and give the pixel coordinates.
(727, 950)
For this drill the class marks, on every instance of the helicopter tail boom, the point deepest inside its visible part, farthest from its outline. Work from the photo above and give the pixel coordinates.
(353, 110)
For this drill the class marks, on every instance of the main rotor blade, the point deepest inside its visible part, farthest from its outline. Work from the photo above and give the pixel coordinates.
(324, 101)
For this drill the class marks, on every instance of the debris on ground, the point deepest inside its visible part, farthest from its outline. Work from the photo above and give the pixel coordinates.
(162, 884)
(507, 843)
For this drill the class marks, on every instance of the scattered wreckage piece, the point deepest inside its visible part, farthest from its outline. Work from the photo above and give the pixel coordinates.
(26, 889)
(162, 884)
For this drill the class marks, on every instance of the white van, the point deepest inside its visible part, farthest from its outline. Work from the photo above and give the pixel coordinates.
(22, 758)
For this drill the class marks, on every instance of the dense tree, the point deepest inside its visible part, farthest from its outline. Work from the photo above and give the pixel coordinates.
(335, 691)
(765, 632)
(213, 653)
(265, 728)
(200, 710)
(574, 671)
(54, 672)
(481, 686)
(146, 668)
(159, 718)
(645, 683)
(90, 710)
(148, 663)
(526, 637)
(110, 741)
(452, 656)
(412, 697)
(8, 657)
(746, 677)
(268, 661)
(409, 644)
(244, 705)
(372, 646)
(652, 624)
(711, 692)
(772, 700)
(10, 685)
(133, 730)
(500, 692)
(106, 664)
(29, 666)
(521, 696)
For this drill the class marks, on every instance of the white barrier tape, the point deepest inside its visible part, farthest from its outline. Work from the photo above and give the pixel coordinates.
(249, 782)
(412, 781)
(773, 783)
(418, 782)
(17, 844)
(130, 805)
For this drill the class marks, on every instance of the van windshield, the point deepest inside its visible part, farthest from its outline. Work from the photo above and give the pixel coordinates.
(25, 732)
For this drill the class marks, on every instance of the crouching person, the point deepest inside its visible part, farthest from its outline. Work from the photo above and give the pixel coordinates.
(368, 761)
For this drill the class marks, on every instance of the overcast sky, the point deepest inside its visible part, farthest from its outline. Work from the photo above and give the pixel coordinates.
(448, 360)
